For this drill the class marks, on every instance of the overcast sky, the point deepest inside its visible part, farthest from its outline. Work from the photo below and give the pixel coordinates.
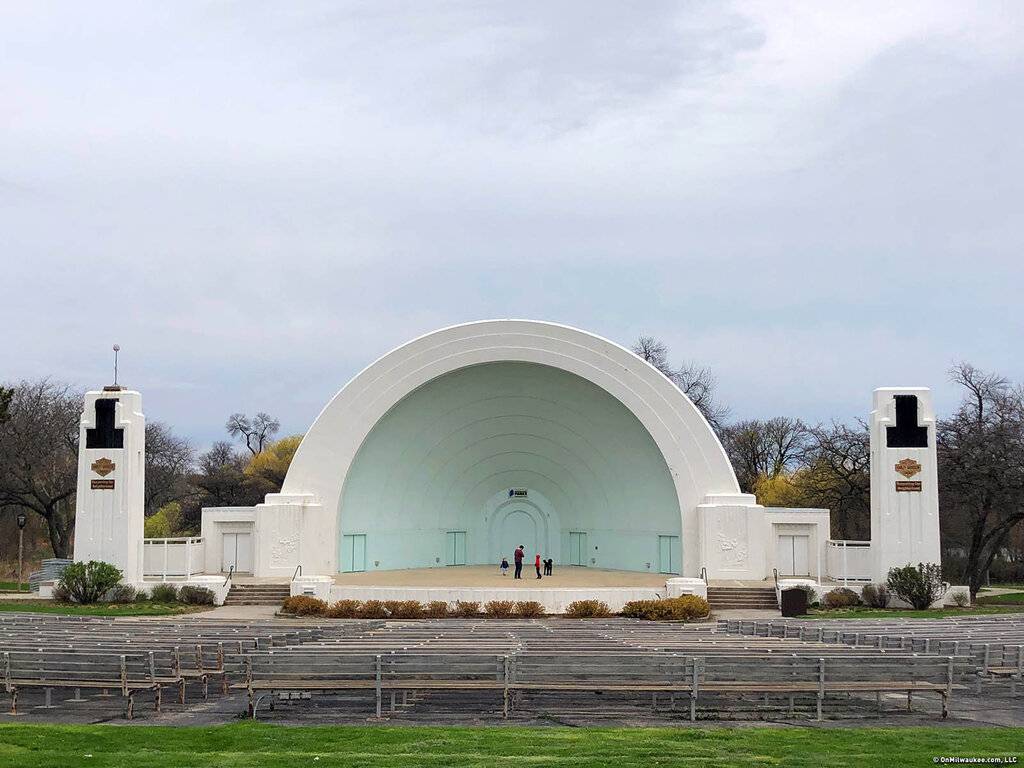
(255, 200)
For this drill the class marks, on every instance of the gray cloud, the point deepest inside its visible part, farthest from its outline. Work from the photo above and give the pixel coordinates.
(256, 200)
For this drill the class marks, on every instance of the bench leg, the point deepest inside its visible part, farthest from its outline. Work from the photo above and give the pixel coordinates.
(819, 708)
(654, 701)
(206, 687)
(14, 701)
(504, 703)
(181, 696)
(392, 702)
(104, 694)
(693, 708)
(910, 701)
(130, 706)
(47, 694)
(77, 698)
(945, 705)
(224, 683)
(159, 696)
(252, 704)
(405, 698)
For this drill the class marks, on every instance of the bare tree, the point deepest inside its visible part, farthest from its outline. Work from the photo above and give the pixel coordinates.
(39, 456)
(837, 476)
(759, 448)
(257, 431)
(169, 461)
(981, 468)
(696, 382)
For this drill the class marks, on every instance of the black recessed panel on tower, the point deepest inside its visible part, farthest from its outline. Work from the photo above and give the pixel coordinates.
(906, 433)
(104, 435)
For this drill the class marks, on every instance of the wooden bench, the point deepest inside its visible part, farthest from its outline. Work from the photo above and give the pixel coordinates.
(620, 672)
(773, 675)
(126, 673)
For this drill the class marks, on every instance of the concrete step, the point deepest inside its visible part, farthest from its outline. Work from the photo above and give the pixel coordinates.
(257, 594)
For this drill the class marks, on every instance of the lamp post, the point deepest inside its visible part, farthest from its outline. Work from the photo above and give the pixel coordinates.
(22, 519)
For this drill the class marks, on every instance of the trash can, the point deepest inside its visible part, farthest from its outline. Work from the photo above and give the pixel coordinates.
(794, 602)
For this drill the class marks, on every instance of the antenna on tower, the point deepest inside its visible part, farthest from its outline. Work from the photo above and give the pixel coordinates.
(117, 348)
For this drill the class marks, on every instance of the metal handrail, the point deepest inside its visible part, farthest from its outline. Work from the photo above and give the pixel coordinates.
(775, 573)
(298, 572)
(704, 574)
(230, 573)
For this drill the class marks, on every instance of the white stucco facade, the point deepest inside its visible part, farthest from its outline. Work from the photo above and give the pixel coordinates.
(463, 438)
(299, 526)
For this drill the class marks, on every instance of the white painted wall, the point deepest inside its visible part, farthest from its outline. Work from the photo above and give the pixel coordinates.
(109, 522)
(904, 525)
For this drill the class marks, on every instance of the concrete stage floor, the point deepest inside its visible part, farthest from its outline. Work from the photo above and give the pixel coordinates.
(488, 576)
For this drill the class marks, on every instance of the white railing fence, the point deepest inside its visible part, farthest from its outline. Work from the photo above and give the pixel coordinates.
(848, 560)
(180, 557)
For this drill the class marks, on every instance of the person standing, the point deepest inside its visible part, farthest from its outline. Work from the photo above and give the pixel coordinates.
(536, 564)
(519, 562)
(504, 566)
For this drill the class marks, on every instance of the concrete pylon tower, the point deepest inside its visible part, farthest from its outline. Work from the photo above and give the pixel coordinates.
(904, 480)
(110, 502)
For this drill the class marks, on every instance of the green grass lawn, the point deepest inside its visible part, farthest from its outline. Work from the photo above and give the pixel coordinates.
(253, 745)
(862, 612)
(98, 609)
(1010, 598)
(12, 586)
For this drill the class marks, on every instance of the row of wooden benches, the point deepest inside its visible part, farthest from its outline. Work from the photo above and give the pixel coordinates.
(996, 647)
(308, 670)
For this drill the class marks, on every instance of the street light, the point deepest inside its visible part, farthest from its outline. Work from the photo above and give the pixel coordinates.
(22, 518)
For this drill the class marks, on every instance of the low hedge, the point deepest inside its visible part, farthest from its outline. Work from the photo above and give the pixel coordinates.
(588, 609)
(841, 597)
(685, 608)
(682, 608)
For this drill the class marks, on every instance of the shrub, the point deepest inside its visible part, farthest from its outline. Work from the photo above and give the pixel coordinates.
(812, 594)
(373, 609)
(529, 609)
(467, 609)
(587, 609)
(499, 609)
(164, 593)
(404, 609)
(344, 609)
(88, 582)
(61, 594)
(304, 605)
(120, 593)
(141, 596)
(436, 609)
(961, 599)
(682, 608)
(920, 586)
(193, 595)
(841, 598)
(875, 595)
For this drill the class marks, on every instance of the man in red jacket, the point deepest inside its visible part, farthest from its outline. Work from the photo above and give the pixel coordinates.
(536, 564)
(519, 562)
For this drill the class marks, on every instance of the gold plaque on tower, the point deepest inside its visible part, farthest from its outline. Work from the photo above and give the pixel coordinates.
(103, 467)
(908, 467)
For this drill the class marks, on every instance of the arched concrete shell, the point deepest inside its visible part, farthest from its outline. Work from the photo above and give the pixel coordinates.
(694, 456)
